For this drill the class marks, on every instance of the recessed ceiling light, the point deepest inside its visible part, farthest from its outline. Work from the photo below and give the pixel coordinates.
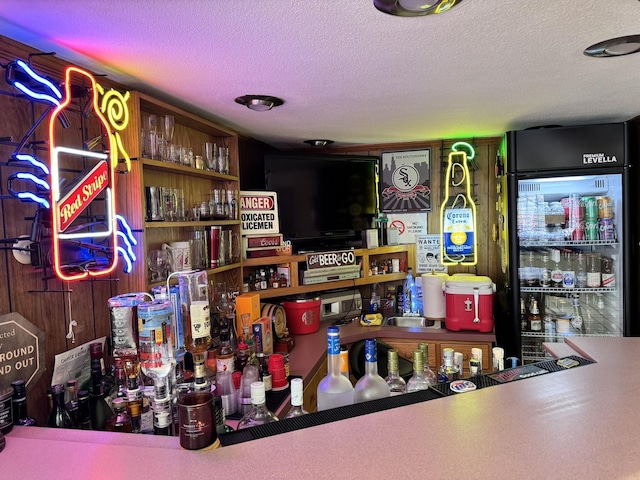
(318, 142)
(259, 103)
(614, 47)
(414, 8)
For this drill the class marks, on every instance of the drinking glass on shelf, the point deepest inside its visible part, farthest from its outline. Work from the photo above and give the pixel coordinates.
(169, 204)
(169, 128)
(209, 152)
(159, 262)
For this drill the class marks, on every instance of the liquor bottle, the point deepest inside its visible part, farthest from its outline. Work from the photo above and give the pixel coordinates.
(259, 413)
(133, 406)
(71, 400)
(428, 373)
(296, 399)
(334, 390)
(265, 374)
(399, 300)
(568, 272)
(410, 292)
(194, 306)
(59, 417)
(344, 360)
(576, 317)
(448, 371)
(498, 359)
(475, 362)
(120, 420)
(535, 320)
(374, 301)
(371, 385)
(225, 357)
(581, 271)
(397, 385)
(594, 279)
(418, 381)
(282, 282)
(524, 320)
(556, 272)
(100, 410)
(19, 405)
(83, 415)
(162, 416)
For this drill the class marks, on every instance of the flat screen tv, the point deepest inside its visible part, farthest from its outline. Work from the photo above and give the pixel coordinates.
(325, 201)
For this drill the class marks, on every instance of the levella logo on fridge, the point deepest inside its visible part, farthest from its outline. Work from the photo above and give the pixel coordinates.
(591, 158)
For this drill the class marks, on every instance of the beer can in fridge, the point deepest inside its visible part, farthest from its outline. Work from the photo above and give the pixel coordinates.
(591, 229)
(590, 207)
(605, 207)
(607, 231)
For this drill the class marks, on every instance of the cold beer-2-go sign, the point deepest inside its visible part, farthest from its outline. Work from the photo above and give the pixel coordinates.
(341, 258)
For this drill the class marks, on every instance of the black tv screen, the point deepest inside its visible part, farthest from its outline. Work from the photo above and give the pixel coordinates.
(324, 201)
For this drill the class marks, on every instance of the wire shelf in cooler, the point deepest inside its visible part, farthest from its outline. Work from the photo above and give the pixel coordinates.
(567, 291)
(566, 243)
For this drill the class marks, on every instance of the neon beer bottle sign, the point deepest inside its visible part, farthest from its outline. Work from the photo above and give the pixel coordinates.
(458, 232)
(92, 188)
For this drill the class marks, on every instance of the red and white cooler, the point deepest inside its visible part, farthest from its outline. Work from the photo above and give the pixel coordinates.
(469, 301)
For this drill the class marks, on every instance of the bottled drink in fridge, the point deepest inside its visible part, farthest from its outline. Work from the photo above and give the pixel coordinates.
(371, 385)
(334, 390)
(397, 385)
(535, 320)
(593, 271)
(556, 272)
(581, 271)
(259, 413)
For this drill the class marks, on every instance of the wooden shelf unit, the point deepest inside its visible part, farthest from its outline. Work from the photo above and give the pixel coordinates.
(407, 252)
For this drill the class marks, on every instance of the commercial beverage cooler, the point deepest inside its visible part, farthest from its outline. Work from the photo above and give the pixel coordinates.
(565, 231)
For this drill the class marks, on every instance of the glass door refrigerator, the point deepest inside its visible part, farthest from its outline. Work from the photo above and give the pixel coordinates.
(565, 235)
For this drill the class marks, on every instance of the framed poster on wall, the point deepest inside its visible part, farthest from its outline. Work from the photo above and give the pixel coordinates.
(405, 182)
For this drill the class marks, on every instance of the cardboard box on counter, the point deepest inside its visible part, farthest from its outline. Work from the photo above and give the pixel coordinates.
(247, 303)
(263, 335)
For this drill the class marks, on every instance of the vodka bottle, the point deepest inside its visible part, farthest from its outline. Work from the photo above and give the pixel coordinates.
(448, 371)
(535, 320)
(428, 373)
(259, 413)
(397, 385)
(418, 381)
(371, 385)
(334, 390)
(296, 399)
(410, 291)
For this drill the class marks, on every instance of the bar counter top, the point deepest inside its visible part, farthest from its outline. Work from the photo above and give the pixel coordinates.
(582, 423)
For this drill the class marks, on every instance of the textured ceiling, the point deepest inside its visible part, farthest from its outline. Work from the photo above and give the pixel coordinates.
(348, 72)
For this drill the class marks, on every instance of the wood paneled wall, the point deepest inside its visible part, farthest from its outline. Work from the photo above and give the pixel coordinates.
(47, 304)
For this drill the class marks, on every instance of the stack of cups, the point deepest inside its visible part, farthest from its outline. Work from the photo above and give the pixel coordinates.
(249, 375)
(227, 391)
(277, 371)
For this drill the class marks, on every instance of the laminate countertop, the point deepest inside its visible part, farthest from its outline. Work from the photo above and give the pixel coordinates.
(580, 423)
